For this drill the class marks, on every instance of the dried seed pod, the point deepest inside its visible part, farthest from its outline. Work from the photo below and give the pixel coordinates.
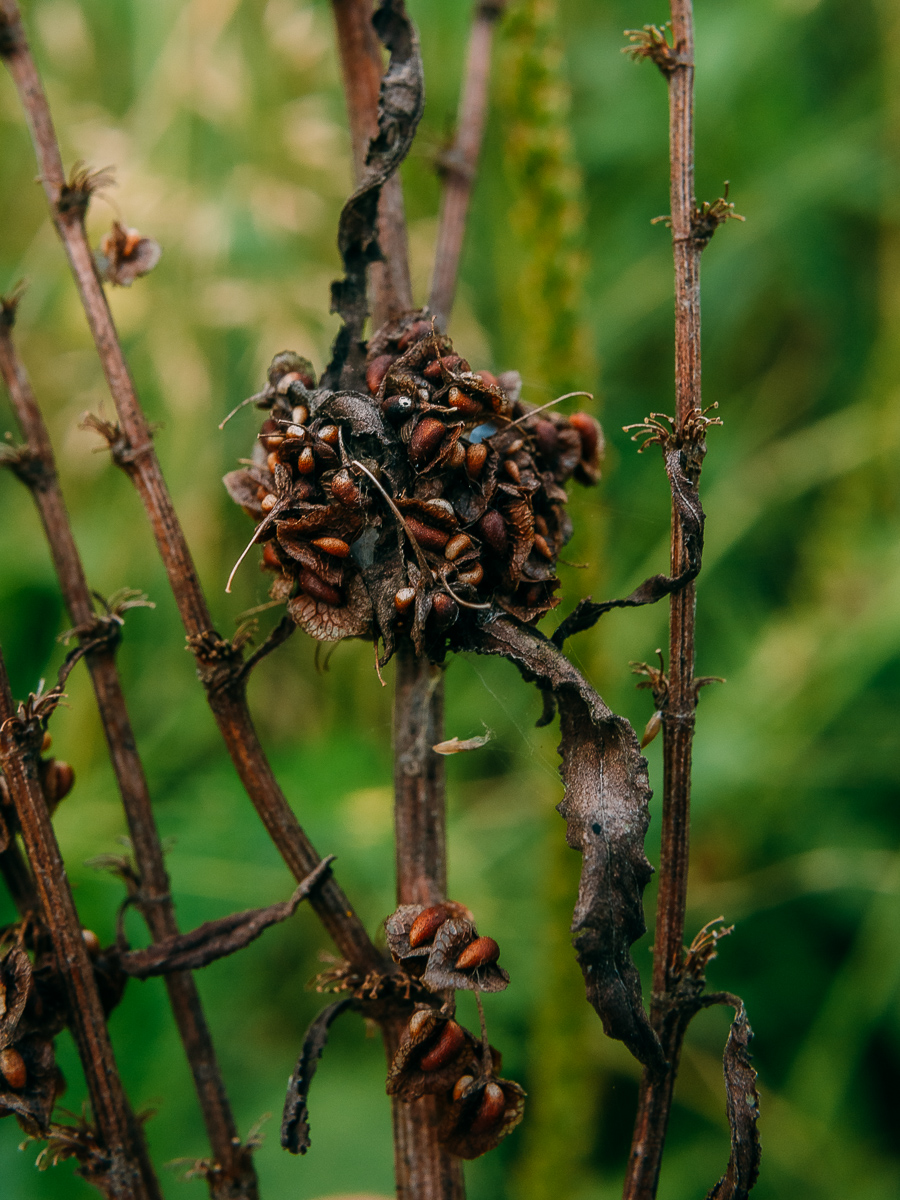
(415, 333)
(344, 489)
(445, 610)
(285, 382)
(418, 1020)
(481, 1113)
(404, 598)
(427, 536)
(427, 923)
(480, 953)
(489, 378)
(13, 1069)
(512, 469)
(450, 941)
(290, 361)
(457, 456)
(450, 362)
(306, 461)
(318, 588)
(333, 546)
(268, 502)
(472, 575)
(329, 434)
(295, 432)
(427, 436)
(91, 942)
(457, 546)
(65, 779)
(270, 434)
(589, 429)
(376, 371)
(448, 1045)
(398, 408)
(476, 457)
(46, 742)
(272, 461)
(270, 557)
(462, 1084)
(300, 414)
(540, 544)
(492, 529)
(545, 436)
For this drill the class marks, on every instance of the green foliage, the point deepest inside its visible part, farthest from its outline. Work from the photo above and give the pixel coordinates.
(226, 125)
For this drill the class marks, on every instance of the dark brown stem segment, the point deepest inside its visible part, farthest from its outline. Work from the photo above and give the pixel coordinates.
(233, 1176)
(424, 1169)
(361, 66)
(218, 663)
(461, 162)
(678, 710)
(129, 1175)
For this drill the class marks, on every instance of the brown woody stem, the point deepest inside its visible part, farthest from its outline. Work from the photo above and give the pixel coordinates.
(361, 67)
(233, 1177)
(424, 1169)
(460, 163)
(218, 663)
(678, 709)
(130, 1175)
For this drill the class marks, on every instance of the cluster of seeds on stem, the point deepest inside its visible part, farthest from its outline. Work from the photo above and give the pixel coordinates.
(431, 492)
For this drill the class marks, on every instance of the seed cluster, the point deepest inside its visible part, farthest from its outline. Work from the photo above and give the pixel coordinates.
(437, 1056)
(404, 509)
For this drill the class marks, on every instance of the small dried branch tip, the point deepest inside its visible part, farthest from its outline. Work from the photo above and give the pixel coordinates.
(9, 304)
(652, 42)
(706, 219)
(82, 183)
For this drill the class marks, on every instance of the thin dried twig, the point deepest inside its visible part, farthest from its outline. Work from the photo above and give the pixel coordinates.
(128, 1174)
(218, 662)
(98, 636)
(460, 163)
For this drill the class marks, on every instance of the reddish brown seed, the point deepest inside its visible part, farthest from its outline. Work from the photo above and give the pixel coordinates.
(404, 598)
(300, 414)
(268, 502)
(46, 742)
(476, 457)
(285, 382)
(491, 1109)
(512, 470)
(458, 456)
(589, 431)
(415, 333)
(465, 405)
(445, 610)
(450, 362)
(272, 461)
(295, 432)
(489, 378)
(91, 942)
(344, 489)
(456, 546)
(376, 371)
(426, 925)
(65, 779)
(270, 557)
(12, 1067)
(540, 524)
(492, 528)
(427, 537)
(427, 436)
(447, 1046)
(271, 427)
(332, 545)
(306, 461)
(479, 953)
(417, 1020)
(318, 588)
(329, 434)
(461, 1084)
(540, 544)
(545, 436)
(472, 575)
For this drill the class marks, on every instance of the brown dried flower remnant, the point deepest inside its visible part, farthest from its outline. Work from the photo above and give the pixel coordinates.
(30, 1080)
(125, 255)
(455, 956)
(407, 509)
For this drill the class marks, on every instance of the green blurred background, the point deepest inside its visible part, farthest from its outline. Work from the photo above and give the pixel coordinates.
(225, 122)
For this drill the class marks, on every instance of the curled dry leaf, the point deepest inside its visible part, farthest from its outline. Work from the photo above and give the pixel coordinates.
(295, 1118)
(480, 1115)
(606, 811)
(214, 939)
(742, 1106)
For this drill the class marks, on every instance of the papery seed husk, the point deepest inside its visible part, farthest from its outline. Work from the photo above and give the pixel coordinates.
(456, 546)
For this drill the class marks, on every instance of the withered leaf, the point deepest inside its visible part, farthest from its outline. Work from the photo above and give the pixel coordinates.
(606, 810)
(742, 1106)
(686, 499)
(400, 107)
(295, 1119)
(441, 971)
(214, 939)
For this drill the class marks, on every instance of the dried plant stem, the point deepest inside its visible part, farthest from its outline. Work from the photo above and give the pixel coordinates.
(361, 66)
(424, 1169)
(130, 1175)
(18, 879)
(678, 709)
(460, 163)
(218, 662)
(233, 1176)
